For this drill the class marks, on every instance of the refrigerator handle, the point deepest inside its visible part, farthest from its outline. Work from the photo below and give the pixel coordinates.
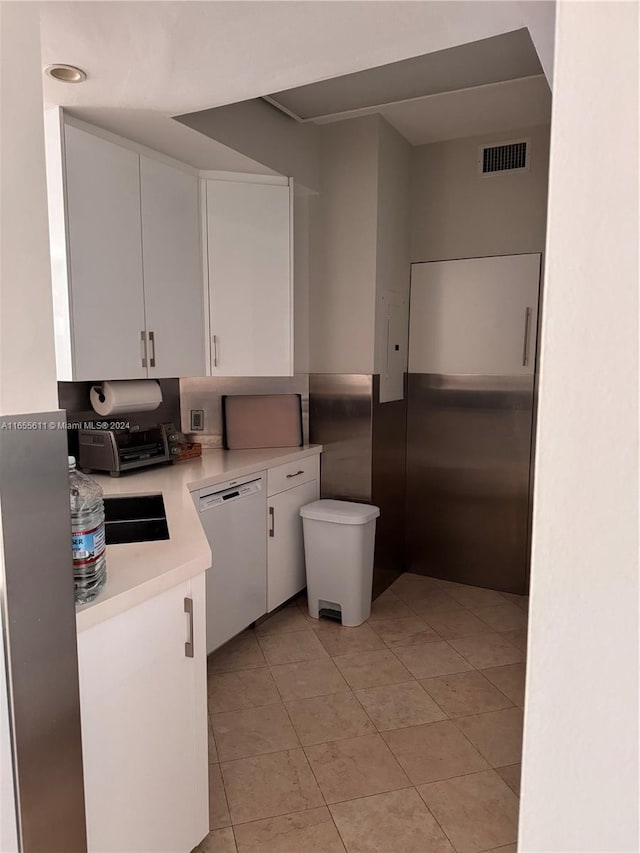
(525, 345)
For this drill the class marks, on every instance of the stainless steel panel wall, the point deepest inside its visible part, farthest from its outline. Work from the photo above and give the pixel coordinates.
(340, 418)
(206, 393)
(469, 442)
(388, 486)
(39, 633)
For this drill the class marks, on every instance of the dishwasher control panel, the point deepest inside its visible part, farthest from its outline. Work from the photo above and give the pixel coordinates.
(230, 493)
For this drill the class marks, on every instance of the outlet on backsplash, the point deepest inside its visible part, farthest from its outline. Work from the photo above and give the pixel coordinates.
(197, 420)
(201, 401)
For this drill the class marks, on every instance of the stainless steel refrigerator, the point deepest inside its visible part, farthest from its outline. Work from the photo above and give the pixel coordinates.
(42, 782)
(470, 419)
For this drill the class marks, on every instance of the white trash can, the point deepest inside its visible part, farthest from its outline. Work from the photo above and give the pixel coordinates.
(339, 538)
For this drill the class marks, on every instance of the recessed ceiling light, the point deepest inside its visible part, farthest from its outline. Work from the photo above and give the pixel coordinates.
(65, 73)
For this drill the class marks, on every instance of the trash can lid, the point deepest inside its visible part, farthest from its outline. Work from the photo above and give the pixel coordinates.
(340, 512)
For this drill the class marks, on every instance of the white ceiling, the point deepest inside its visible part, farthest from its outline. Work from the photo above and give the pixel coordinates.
(169, 58)
(508, 56)
(158, 131)
(467, 112)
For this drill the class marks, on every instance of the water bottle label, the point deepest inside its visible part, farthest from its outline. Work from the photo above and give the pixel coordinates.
(87, 545)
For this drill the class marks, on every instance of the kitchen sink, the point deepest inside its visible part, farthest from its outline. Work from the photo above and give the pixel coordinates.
(141, 518)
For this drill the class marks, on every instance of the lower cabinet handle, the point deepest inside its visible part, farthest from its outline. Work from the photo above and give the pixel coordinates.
(188, 646)
(297, 474)
(525, 344)
(143, 348)
(272, 525)
(152, 342)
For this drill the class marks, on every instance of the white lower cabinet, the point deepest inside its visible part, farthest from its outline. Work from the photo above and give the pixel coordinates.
(285, 547)
(144, 725)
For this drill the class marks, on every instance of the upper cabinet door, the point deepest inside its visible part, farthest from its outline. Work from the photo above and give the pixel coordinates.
(475, 316)
(105, 258)
(250, 278)
(173, 291)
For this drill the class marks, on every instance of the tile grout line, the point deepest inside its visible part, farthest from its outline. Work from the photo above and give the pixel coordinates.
(333, 821)
(377, 731)
(349, 688)
(444, 831)
(495, 686)
(413, 678)
(490, 683)
(447, 716)
(304, 752)
(304, 747)
(445, 590)
(224, 787)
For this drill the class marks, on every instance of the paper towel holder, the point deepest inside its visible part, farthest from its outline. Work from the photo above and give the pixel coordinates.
(125, 396)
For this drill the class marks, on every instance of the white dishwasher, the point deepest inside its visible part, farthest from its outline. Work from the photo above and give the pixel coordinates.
(233, 515)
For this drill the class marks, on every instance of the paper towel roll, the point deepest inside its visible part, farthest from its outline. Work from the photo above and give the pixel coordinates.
(125, 395)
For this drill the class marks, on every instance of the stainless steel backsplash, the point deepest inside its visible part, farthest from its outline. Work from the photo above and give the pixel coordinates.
(363, 458)
(341, 420)
(205, 393)
(469, 459)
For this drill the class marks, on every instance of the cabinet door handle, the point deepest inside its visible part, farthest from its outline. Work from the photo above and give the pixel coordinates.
(272, 522)
(152, 342)
(525, 344)
(297, 474)
(188, 646)
(143, 348)
(214, 340)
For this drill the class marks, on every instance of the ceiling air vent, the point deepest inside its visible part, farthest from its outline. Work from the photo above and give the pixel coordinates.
(508, 157)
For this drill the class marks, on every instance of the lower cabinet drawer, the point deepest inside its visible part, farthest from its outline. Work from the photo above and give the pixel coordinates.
(293, 474)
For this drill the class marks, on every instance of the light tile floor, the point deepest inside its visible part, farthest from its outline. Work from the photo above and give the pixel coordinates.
(400, 736)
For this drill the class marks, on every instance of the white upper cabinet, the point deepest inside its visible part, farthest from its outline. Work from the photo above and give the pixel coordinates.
(106, 303)
(475, 316)
(249, 251)
(173, 297)
(126, 259)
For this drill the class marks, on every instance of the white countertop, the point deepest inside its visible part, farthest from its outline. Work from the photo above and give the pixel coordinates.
(140, 570)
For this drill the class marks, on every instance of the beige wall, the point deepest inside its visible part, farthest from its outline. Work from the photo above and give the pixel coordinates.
(580, 762)
(359, 227)
(343, 264)
(27, 357)
(392, 249)
(457, 213)
(302, 208)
